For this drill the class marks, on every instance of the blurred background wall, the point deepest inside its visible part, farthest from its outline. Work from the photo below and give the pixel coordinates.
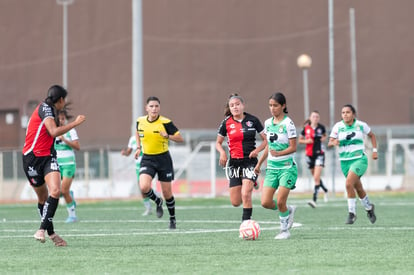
(195, 53)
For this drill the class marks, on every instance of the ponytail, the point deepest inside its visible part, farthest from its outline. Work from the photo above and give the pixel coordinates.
(54, 94)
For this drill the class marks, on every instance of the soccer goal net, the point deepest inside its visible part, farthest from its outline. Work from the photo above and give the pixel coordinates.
(400, 158)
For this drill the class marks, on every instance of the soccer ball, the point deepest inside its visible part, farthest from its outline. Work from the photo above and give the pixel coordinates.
(249, 230)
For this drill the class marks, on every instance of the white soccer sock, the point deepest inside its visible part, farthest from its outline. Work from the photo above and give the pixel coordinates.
(352, 205)
(147, 204)
(283, 223)
(366, 203)
(71, 210)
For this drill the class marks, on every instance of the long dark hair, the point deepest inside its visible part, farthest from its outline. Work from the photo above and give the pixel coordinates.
(54, 94)
(281, 99)
(65, 112)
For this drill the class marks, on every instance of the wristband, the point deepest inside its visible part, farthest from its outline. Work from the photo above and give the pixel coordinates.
(374, 150)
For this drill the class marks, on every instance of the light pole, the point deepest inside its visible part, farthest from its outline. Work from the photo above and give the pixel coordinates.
(65, 4)
(137, 63)
(332, 83)
(304, 62)
(353, 58)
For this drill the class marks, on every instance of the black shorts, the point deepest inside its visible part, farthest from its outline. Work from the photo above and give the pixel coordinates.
(239, 169)
(158, 164)
(36, 168)
(317, 160)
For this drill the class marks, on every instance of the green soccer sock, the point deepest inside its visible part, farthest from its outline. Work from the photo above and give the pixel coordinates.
(275, 208)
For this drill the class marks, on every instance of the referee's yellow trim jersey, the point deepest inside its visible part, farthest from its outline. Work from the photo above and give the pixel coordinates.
(149, 133)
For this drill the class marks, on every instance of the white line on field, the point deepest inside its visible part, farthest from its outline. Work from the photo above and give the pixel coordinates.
(144, 232)
(140, 221)
(140, 231)
(135, 233)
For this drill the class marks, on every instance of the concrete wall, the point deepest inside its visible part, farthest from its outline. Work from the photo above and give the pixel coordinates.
(197, 52)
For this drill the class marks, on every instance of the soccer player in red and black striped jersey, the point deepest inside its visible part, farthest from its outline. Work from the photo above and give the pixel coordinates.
(240, 128)
(39, 159)
(313, 135)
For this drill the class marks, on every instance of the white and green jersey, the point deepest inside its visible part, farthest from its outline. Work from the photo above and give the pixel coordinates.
(278, 136)
(132, 143)
(65, 154)
(351, 138)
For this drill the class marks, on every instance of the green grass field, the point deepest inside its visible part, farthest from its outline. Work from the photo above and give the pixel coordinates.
(113, 238)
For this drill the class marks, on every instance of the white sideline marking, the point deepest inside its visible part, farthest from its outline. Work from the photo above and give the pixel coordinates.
(144, 232)
(153, 232)
(135, 233)
(147, 221)
(334, 202)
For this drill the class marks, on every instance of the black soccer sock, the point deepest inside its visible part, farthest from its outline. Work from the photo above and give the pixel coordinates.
(153, 196)
(40, 206)
(315, 193)
(171, 206)
(323, 186)
(247, 214)
(49, 211)
(40, 209)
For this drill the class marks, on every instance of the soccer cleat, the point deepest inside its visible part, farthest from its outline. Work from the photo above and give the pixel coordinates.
(292, 210)
(312, 204)
(40, 235)
(371, 214)
(58, 240)
(160, 211)
(173, 224)
(148, 211)
(351, 218)
(71, 220)
(283, 235)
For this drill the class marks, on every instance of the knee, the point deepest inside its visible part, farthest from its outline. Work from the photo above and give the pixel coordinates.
(267, 204)
(235, 197)
(145, 188)
(54, 192)
(235, 202)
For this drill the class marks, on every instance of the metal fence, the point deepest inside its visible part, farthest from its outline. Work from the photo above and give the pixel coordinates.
(103, 172)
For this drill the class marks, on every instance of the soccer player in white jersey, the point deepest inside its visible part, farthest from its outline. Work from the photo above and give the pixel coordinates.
(132, 147)
(348, 134)
(65, 146)
(281, 171)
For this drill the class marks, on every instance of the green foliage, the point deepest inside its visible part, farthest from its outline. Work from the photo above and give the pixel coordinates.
(113, 238)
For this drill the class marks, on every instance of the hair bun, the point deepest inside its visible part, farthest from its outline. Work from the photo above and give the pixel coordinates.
(55, 92)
